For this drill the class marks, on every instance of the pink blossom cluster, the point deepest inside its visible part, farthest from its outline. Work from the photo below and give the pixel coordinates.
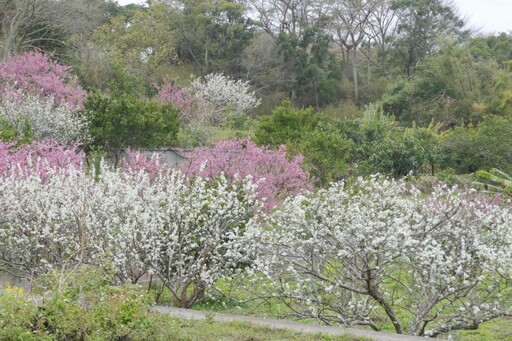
(35, 72)
(39, 159)
(137, 162)
(180, 98)
(276, 176)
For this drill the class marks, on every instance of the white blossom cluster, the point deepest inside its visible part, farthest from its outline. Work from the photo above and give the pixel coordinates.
(188, 233)
(219, 98)
(44, 118)
(352, 254)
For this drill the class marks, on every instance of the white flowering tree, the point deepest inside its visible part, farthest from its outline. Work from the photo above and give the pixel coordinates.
(202, 237)
(379, 248)
(41, 222)
(43, 118)
(219, 98)
(189, 233)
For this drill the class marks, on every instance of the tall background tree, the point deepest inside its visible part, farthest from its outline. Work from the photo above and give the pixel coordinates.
(422, 23)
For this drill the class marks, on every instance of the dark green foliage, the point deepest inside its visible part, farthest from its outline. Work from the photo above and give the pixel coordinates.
(403, 151)
(384, 147)
(468, 149)
(285, 125)
(327, 152)
(309, 62)
(421, 24)
(212, 35)
(127, 121)
(325, 148)
(335, 149)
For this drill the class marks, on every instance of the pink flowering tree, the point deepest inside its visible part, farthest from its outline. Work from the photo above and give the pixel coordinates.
(180, 98)
(39, 159)
(137, 162)
(277, 176)
(36, 73)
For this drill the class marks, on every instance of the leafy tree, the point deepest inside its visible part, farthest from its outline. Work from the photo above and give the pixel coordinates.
(311, 67)
(421, 23)
(212, 34)
(286, 125)
(132, 50)
(456, 85)
(126, 121)
(403, 152)
(328, 153)
(326, 149)
(468, 149)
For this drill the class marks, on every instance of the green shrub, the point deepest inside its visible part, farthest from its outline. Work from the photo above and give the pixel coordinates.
(467, 149)
(126, 121)
(82, 305)
(286, 125)
(325, 148)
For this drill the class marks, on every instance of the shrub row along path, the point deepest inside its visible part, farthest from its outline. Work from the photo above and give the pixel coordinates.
(281, 324)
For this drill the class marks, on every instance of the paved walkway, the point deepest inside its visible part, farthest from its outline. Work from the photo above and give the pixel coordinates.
(281, 324)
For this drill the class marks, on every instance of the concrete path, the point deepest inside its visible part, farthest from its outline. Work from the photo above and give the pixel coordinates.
(282, 324)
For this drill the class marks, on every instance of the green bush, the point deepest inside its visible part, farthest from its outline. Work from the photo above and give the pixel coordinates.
(126, 121)
(331, 148)
(403, 151)
(82, 305)
(10, 133)
(325, 148)
(286, 125)
(468, 149)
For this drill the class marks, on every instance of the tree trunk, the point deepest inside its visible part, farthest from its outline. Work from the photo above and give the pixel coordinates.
(354, 75)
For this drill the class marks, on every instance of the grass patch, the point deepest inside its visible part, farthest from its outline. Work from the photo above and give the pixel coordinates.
(498, 329)
(243, 331)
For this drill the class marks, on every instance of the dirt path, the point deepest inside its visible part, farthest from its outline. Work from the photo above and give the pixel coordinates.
(281, 324)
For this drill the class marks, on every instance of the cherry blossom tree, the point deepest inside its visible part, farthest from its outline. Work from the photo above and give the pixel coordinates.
(36, 73)
(352, 254)
(277, 176)
(38, 159)
(212, 101)
(189, 233)
(181, 98)
(41, 118)
(219, 97)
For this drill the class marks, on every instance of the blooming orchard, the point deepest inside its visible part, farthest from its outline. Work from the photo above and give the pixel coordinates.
(351, 254)
(189, 233)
